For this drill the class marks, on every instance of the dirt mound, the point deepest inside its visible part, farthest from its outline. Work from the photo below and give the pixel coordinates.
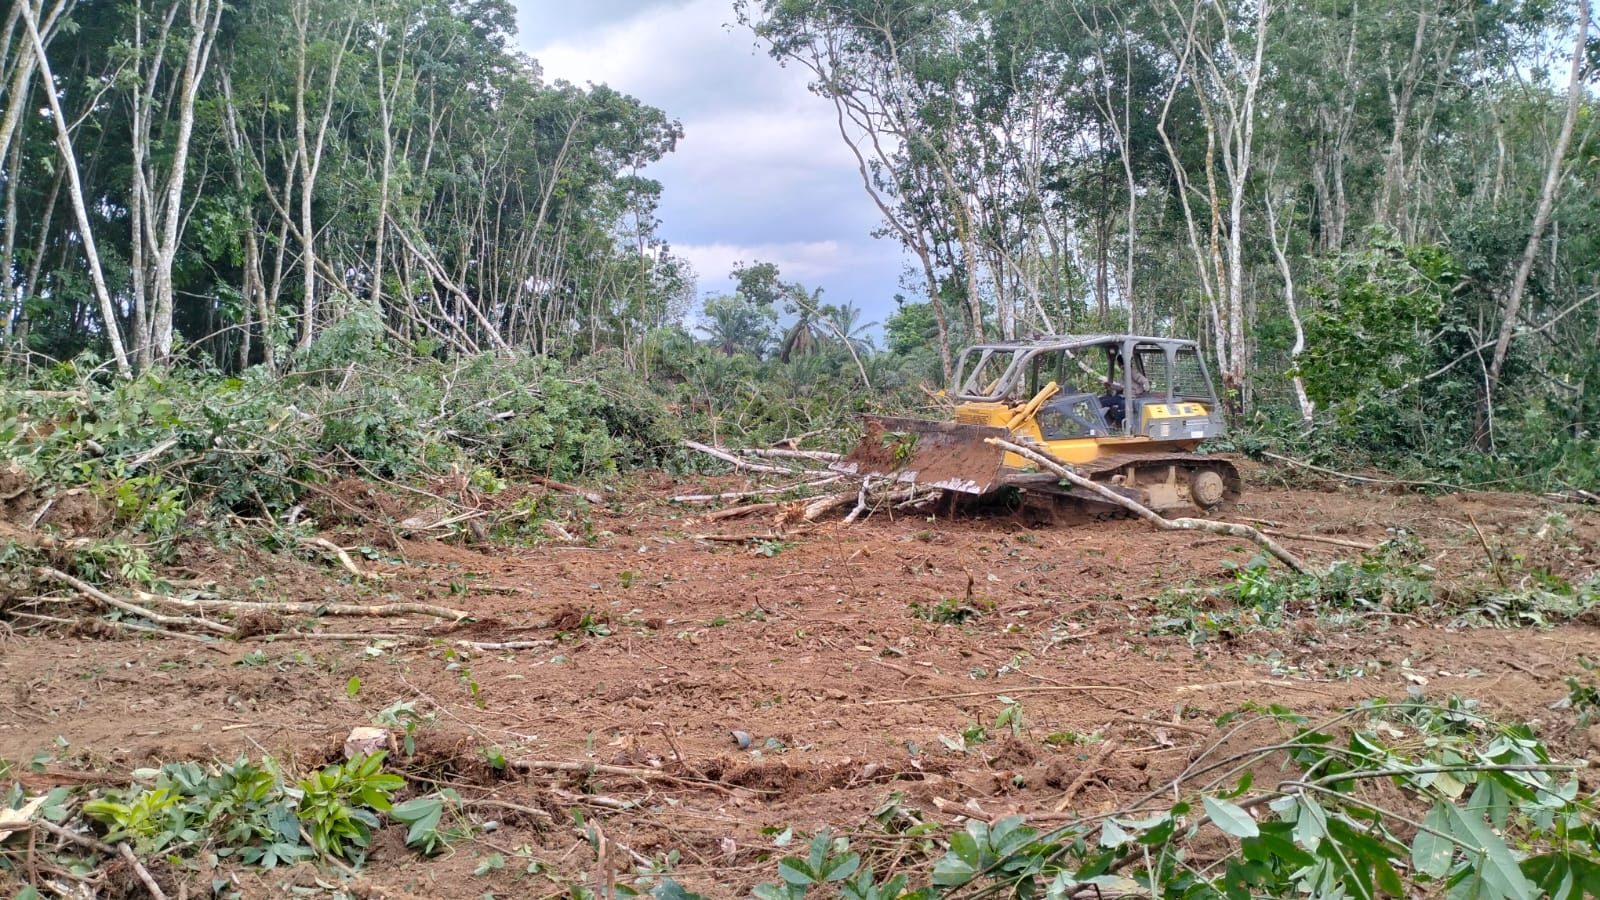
(17, 497)
(77, 513)
(67, 514)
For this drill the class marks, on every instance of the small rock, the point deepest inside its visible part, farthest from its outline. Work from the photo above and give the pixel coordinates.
(742, 738)
(365, 741)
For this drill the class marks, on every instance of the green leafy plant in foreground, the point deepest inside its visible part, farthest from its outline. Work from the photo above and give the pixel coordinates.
(249, 811)
(1381, 800)
(337, 803)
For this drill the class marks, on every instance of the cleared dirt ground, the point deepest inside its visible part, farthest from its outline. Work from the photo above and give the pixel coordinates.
(664, 646)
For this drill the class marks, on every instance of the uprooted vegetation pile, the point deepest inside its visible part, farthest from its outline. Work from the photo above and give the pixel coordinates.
(186, 455)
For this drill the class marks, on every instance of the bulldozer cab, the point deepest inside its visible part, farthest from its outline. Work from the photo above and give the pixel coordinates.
(1108, 385)
(1126, 410)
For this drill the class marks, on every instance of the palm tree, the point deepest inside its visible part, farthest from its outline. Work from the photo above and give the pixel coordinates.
(842, 321)
(733, 325)
(806, 335)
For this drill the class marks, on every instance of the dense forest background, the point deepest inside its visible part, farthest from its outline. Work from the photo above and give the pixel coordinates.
(1380, 218)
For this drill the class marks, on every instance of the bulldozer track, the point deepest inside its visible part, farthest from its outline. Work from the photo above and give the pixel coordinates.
(1103, 470)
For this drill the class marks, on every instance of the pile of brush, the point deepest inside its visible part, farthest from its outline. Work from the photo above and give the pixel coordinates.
(812, 490)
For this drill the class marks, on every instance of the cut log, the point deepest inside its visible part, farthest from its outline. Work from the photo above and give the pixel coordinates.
(823, 504)
(776, 453)
(738, 463)
(565, 488)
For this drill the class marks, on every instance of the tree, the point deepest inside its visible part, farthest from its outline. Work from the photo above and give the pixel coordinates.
(735, 325)
(1541, 218)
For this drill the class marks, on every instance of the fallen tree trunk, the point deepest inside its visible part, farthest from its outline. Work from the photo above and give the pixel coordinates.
(738, 463)
(821, 505)
(1057, 466)
(778, 453)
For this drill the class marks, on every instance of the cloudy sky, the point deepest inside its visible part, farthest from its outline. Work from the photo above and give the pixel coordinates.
(761, 173)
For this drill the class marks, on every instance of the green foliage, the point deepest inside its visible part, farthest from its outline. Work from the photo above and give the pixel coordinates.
(402, 714)
(150, 819)
(1396, 360)
(1377, 324)
(911, 328)
(167, 452)
(1583, 694)
(1382, 799)
(826, 862)
(337, 803)
(249, 811)
(737, 325)
(950, 610)
(1391, 576)
(421, 816)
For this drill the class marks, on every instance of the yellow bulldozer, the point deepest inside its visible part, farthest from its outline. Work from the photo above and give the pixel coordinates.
(1126, 411)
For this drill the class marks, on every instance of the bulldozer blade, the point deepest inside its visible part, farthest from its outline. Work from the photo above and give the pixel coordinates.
(945, 455)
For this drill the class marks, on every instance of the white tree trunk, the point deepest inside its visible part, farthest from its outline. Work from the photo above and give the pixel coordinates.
(69, 159)
(1541, 218)
(1307, 408)
(204, 16)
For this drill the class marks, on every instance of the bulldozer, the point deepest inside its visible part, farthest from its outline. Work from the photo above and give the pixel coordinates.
(1126, 411)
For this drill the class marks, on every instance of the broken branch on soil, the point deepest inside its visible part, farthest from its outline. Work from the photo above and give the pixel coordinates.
(759, 492)
(734, 512)
(95, 593)
(71, 836)
(1089, 771)
(1248, 682)
(344, 558)
(1319, 539)
(314, 609)
(1059, 467)
(503, 804)
(1023, 689)
(143, 873)
(1494, 564)
(1361, 478)
(778, 453)
(587, 768)
(563, 487)
(745, 538)
(363, 636)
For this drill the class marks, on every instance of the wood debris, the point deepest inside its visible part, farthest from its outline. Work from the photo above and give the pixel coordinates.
(868, 494)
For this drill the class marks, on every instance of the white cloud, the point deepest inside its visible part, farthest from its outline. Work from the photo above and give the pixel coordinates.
(683, 57)
(761, 173)
(808, 261)
(829, 264)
